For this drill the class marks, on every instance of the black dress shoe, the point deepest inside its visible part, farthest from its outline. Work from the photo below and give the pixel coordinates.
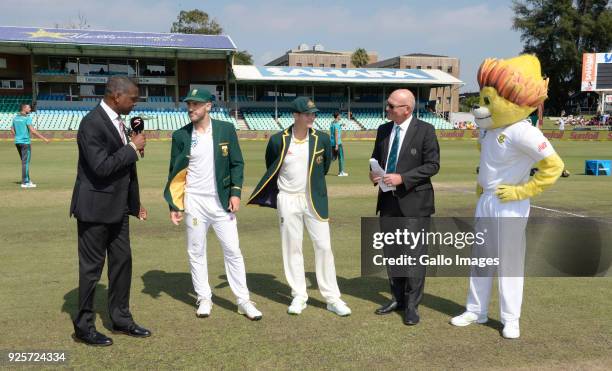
(132, 330)
(93, 338)
(411, 317)
(389, 307)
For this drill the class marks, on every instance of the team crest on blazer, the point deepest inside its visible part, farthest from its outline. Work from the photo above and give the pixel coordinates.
(224, 150)
(413, 151)
(319, 159)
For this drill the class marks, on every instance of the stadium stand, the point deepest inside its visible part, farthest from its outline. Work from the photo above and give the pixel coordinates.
(263, 119)
(68, 118)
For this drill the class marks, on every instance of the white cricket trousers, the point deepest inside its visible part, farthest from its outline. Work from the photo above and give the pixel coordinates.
(293, 213)
(508, 239)
(202, 212)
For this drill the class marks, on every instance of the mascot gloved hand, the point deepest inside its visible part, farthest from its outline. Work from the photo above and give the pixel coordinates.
(510, 91)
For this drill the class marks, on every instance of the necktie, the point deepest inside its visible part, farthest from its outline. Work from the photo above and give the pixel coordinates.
(392, 164)
(122, 130)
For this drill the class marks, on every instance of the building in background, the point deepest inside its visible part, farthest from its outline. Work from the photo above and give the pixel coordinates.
(317, 56)
(447, 98)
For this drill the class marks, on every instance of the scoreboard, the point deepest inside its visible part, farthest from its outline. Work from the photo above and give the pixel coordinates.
(596, 71)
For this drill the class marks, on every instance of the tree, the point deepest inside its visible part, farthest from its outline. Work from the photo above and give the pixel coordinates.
(79, 24)
(360, 58)
(466, 103)
(558, 32)
(196, 21)
(243, 57)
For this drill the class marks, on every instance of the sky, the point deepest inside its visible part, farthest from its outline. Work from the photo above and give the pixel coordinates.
(467, 29)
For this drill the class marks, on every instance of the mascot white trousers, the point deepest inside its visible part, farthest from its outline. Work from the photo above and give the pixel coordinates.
(505, 238)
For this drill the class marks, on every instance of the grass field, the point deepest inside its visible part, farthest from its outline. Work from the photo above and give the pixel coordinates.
(566, 322)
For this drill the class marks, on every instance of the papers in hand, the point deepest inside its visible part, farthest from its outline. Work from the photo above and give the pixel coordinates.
(380, 172)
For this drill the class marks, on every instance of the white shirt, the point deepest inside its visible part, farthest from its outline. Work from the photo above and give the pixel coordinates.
(114, 116)
(403, 129)
(293, 175)
(507, 154)
(201, 169)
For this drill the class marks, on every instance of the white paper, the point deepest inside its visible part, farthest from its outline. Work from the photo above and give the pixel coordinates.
(379, 171)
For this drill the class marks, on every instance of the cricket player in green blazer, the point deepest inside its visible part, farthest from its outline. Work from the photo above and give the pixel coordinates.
(204, 187)
(297, 160)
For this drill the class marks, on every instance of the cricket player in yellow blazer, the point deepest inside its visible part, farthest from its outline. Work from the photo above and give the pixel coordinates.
(204, 184)
(297, 160)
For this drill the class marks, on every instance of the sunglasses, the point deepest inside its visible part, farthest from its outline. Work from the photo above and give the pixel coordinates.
(394, 106)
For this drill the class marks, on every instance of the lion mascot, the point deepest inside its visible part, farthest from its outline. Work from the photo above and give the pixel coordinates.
(510, 90)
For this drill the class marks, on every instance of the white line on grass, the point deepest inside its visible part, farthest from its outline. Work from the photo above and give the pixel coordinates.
(559, 211)
(547, 209)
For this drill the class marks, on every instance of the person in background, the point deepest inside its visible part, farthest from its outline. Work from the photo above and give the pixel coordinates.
(21, 129)
(335, 133)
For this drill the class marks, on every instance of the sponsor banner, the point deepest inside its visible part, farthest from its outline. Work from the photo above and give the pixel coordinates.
(92, 79)
(152, 80)
(589, 71)
(365, 135)
(604, 58)
(578, 135)
(452, 134)
(356, 75)
(345, 73)
(113, 38)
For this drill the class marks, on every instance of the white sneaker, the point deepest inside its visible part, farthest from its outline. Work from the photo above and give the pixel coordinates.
(204, 308)
(343, 174)
(339, 308)
(28, 185)
(248, 309)
(511, 330)
(297, 306)
(467, 318)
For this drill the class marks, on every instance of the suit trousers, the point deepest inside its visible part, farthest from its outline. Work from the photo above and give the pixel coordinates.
(508, 238)
(95, 241)
(293, 213)
(202, 212)
(407, 284)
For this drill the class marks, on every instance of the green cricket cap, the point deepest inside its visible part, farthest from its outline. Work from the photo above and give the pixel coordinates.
(303, 105)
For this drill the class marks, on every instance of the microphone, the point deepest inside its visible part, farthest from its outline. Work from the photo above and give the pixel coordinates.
(137, 126)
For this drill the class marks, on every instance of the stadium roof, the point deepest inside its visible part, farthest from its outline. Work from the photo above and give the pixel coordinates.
(361, 76)
(27, 40)
(425, 55)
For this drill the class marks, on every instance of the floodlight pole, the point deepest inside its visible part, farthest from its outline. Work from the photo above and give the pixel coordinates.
(349, 102)
(418, 101)
(383, 101)
(236, 98)
(276, 102)
(176, 81)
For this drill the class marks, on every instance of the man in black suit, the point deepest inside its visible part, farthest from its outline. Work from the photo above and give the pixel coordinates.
(105, 194)
(407, 148)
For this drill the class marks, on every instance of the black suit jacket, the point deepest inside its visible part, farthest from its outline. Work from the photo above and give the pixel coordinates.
(418, 161)
(106, 182)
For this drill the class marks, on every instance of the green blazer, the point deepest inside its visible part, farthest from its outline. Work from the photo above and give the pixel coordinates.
(229, 165)
(319, 157)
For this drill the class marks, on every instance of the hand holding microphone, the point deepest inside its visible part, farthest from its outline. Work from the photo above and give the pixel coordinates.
(137, 135)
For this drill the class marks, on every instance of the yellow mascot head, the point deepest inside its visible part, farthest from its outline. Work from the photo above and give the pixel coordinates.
(509, 90)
